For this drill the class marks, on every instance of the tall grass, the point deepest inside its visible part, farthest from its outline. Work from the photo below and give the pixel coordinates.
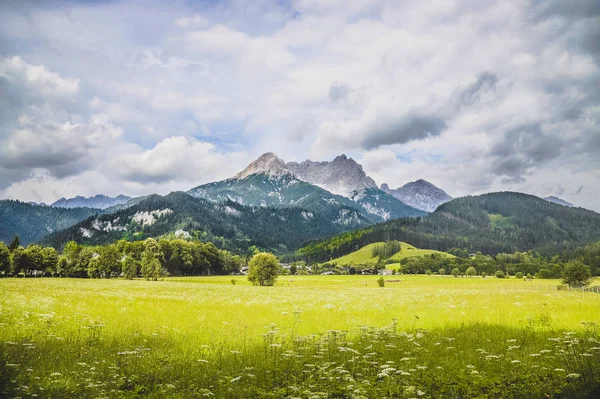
(308, 337)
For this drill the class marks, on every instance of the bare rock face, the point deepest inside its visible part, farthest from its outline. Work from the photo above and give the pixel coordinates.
(342, 176)
(419, 194)
(268, 164)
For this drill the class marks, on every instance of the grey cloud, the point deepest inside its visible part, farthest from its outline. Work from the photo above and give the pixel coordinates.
(579, 190)
(582, 16)
(522, 149)
(338, 91)
(466, 96)
(415, 126)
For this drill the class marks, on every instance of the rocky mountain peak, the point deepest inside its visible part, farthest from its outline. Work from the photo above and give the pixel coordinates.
(419, 194)
(341, 176)
(268, 164)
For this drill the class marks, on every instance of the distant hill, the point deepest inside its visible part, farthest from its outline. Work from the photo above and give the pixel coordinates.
(490, 223)
(98, 201)
(228, 224)
(32, 222)
(364, 255)
(558, 201)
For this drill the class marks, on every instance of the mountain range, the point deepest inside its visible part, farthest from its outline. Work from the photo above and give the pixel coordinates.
(98, 202)
(281, 206)
(228, 224)
(316, 186)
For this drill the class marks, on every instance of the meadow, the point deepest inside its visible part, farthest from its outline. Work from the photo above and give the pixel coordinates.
(307, 337)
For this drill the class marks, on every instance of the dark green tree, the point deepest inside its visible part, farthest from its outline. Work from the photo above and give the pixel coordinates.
(577, 274)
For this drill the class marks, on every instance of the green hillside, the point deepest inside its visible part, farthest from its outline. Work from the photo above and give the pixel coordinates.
(32, 222)
(491, 223)
(364, 255)
(229, 225)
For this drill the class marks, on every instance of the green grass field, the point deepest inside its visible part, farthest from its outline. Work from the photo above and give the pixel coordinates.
(307, 337)
(364, 255)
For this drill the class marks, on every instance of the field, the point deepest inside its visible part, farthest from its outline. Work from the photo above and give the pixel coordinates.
(364, 255)
(307, 337)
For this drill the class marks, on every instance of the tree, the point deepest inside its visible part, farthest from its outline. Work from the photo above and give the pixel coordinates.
(293, 268)
(381, 282)
(152, 268)
(4, 258)
(519, 275)
(576, 274)
(442, 271)
(455, 272)
(471, 271)
(14, 245)
(18, 261)
(500, 274)
(262, 269)
(130, 267)
(545, 274)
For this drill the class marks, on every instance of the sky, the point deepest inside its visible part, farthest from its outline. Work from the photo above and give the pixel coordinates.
(140, 97)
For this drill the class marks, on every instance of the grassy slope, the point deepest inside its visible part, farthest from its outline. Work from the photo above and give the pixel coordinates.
(364, 255)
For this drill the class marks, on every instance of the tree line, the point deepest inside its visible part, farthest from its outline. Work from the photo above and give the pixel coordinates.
(151, 259)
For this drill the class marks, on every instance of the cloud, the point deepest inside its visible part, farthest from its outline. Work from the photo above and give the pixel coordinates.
(178, 158)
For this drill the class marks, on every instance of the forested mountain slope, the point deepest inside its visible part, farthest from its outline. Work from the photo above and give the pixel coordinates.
(490, 223)
(229, 225)
(32, 222)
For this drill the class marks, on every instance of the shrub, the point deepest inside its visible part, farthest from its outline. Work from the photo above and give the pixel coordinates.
(381, 282)
(471, 271)
(500, 274)
(545, 274)
(519, 275)
(262, 269)
(529, 276)
(233, 281)
(576, 274)
(483, 275)
(442, 271)
(455, 272)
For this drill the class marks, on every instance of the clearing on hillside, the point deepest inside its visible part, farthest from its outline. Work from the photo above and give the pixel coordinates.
(365, 256)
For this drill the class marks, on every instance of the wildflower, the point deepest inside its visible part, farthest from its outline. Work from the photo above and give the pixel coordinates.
(516, 361)
(203, 361)
(236, 379)
(560, 370)
(573, 375)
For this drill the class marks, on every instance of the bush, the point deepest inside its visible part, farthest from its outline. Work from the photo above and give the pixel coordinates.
(545, 274)
(576, 274)
(471, 271)
(519, 275)
(529, 276)
(455, 272)
(233, 281)
(381, 282)
(500, 274)
(442, 271)
(262, 269)
(483, 275)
